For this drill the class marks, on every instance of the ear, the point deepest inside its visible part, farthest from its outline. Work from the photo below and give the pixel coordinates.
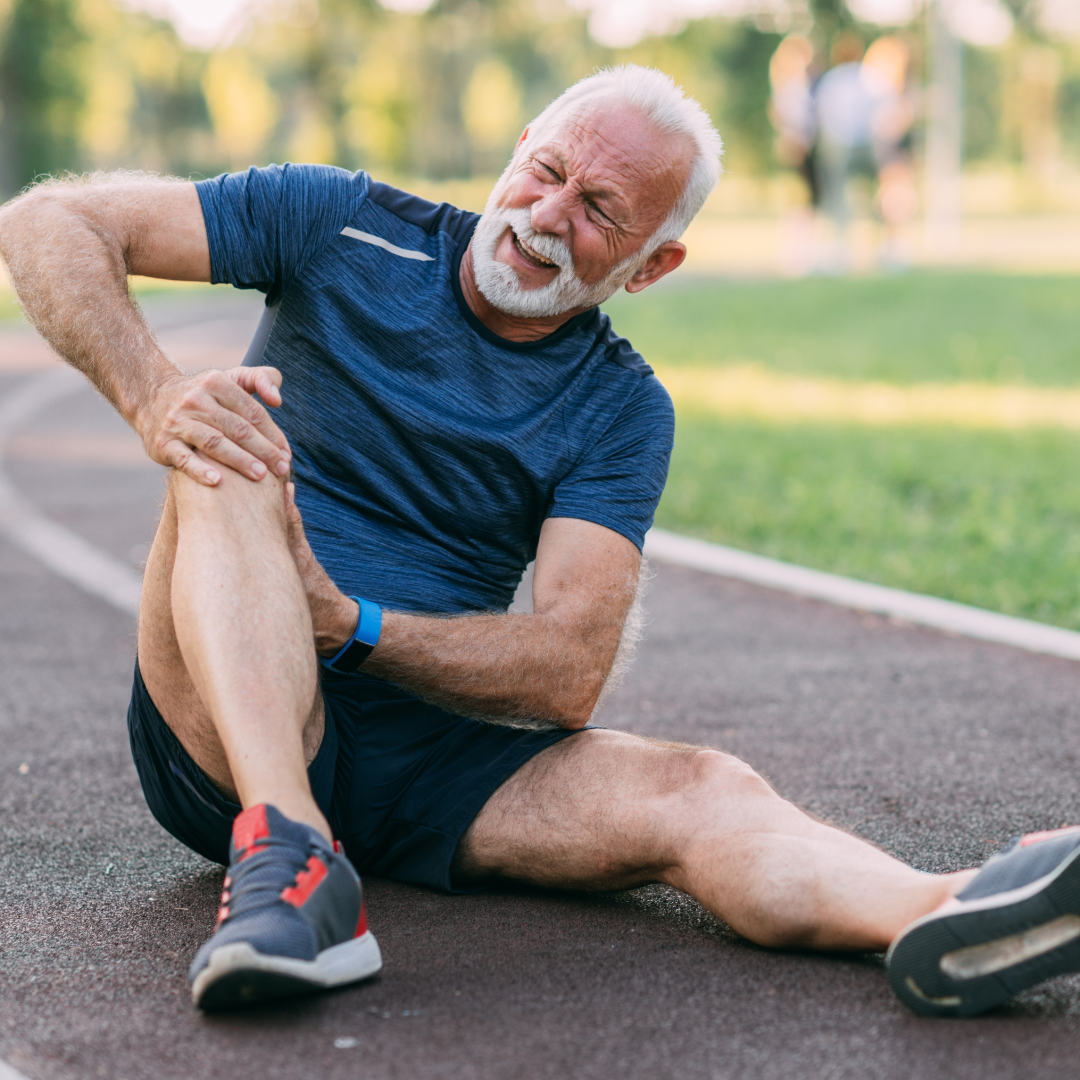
(663, 260)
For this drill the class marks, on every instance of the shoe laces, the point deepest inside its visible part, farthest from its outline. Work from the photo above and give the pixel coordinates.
(246, 890)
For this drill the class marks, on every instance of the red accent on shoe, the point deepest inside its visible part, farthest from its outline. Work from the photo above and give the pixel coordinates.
(1047, 834)
(339, 848)
(249, 826)
(223, 914)
(361, 926)
(307, 881)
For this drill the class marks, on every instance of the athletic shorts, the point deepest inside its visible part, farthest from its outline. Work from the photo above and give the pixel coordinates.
(399, 780)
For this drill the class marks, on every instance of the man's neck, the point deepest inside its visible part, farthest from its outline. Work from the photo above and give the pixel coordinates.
(511, 327)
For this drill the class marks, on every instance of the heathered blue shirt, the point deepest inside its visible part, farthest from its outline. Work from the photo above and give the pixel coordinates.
(427, 450)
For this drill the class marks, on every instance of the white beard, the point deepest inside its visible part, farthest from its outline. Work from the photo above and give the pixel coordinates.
(499, 284)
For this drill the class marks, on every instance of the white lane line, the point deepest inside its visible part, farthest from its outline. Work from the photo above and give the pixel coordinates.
(61, 550)
(924, 610)
(8, 1073)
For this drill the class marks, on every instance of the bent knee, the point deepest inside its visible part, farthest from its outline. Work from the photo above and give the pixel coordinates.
(232, 490)
(718, 773)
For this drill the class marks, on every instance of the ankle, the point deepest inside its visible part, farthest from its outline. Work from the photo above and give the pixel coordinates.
(298, 809)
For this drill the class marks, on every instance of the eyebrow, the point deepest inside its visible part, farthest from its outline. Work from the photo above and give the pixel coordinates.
(594, 194)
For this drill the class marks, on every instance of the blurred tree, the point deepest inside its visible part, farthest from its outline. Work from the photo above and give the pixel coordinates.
(983, 75)
(41, 91)
(1069, 105)
(492, 112)
(243, 108)
(443, 93)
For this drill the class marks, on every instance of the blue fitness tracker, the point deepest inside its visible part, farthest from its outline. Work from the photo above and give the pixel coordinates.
(365, 637)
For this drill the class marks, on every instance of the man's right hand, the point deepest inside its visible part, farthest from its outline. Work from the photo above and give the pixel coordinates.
(214, 412)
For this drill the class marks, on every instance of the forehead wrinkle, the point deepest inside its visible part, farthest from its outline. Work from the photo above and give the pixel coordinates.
(584, 149)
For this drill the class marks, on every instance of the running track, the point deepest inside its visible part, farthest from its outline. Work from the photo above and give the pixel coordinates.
(937, 747)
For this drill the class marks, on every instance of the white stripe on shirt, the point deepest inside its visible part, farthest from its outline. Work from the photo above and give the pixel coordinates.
(378, 241)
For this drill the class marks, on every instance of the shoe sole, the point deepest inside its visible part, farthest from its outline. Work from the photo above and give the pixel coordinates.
(970, 960)
(237, 975)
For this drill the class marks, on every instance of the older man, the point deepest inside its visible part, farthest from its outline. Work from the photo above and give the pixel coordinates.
(455, 405)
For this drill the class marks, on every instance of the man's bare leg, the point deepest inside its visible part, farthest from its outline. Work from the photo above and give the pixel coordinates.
(225, 642)
(607, 810)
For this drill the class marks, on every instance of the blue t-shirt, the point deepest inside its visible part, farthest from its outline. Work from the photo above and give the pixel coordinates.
(427, 450)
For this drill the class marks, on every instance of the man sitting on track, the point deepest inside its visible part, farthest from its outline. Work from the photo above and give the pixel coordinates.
(454, 405)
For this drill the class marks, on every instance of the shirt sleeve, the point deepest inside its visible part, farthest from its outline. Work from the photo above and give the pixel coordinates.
(620, 480)
(265, 225)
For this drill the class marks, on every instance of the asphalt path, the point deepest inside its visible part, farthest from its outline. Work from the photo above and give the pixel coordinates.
(938, 748)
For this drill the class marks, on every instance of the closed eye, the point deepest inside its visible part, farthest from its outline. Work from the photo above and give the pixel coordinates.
(600, 214)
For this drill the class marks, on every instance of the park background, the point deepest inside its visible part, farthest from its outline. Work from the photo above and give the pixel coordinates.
(916, 425)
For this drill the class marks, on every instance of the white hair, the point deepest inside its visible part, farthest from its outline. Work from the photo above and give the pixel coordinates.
(655, 95)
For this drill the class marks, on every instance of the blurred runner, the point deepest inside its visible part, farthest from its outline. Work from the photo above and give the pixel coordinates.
(845, 109)
(864, 120)
(886, 67)
(792, 75)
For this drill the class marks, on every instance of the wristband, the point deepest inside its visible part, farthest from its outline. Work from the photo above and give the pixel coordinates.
(351, 656)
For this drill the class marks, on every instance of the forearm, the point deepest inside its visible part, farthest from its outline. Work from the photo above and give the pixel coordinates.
(523, 666)
(549, 665)
(72, 282)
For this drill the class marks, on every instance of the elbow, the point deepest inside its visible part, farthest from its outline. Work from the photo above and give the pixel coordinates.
(22, 215)
(577, 702)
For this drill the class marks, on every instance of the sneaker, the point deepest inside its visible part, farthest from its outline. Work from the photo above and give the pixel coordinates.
(1015, 924)
(291, 919)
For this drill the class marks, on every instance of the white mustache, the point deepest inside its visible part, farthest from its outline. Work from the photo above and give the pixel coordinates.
(544, 244)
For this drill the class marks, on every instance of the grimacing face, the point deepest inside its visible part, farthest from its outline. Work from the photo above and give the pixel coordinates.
(565, 225)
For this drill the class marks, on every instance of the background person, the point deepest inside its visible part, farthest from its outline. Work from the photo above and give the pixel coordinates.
(885, 68)
(864, 121)
(792, 78)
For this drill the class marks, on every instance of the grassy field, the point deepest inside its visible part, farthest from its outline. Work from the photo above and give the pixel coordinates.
(984, 513)
(919, 327)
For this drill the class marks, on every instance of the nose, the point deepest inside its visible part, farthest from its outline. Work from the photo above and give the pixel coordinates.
(550, 214)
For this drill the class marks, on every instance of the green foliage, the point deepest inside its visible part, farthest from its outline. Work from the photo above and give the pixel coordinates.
(89, 83)
(41, 91)
(739, 54)
(918, 327)
(983, 82)
(1069, 112)
(442, 94)
(986, 518)
(9, 306)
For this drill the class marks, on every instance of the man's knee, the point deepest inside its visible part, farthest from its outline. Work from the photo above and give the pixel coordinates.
(234, 492)
(707, 788)
(714, 773)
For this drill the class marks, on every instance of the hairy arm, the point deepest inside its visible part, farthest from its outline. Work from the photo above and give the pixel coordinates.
(548, 665)
(69, 247)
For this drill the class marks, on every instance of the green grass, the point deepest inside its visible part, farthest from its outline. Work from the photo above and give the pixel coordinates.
(990, 518)
(987, 518)
(917, 327)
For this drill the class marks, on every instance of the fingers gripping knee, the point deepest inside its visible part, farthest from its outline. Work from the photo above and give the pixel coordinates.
(235, 495)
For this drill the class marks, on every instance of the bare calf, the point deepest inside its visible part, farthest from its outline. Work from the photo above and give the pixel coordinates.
(225, 641)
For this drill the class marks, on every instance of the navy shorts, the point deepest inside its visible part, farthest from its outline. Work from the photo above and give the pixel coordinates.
(399, 780)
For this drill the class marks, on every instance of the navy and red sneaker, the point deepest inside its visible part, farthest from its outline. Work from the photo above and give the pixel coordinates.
(291, 919)
(1016, 923)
